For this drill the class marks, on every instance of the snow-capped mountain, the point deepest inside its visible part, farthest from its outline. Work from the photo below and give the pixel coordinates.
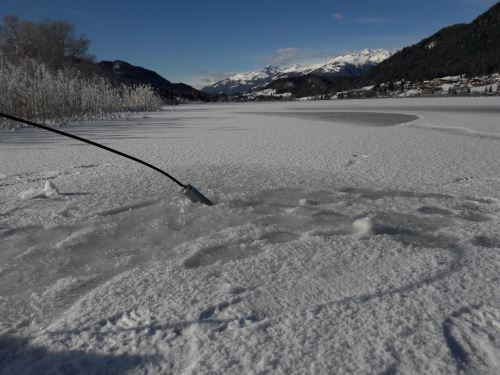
(350, 64)
(244, 82)
(345, 65)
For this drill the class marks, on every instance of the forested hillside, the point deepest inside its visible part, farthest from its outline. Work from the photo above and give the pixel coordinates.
(472, 49)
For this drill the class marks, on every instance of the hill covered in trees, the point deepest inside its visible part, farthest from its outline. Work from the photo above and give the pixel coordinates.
(472, 49)
(125, 73)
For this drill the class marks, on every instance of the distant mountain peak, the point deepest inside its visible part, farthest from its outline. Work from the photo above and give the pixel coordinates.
(349, 64)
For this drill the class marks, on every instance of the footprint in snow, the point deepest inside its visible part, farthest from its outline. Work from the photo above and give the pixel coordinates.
(86, 166)
(488, 242)
(473, 337)
(432, 210)
(355, 160)
(462, 179)
(222, 253)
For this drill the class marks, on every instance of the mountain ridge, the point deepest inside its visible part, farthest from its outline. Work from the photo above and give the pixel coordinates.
(122, 72)
(349, 64)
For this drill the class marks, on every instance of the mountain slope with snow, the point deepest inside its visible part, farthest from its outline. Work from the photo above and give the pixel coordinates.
(345, 65)
(244, 82)
(350, 64)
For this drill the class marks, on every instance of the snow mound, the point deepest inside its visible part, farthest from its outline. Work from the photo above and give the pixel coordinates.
(49, 191)
(32, 194)
(362, 227)
(307, 202)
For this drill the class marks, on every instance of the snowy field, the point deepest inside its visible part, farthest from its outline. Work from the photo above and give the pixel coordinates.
(349, 236)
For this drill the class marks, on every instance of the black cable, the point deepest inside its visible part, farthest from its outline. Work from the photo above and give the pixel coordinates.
(13, 118)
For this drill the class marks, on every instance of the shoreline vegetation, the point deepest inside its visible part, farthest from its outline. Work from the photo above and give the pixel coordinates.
(34, 92)
(47, 76)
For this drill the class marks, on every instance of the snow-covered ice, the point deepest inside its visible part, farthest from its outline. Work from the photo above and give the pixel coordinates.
(347, 236)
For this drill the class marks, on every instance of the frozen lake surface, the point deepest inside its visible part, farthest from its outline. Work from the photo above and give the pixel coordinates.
(348, 236)
(356, 118)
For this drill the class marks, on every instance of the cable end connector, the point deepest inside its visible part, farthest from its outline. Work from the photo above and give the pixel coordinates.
(195, 196)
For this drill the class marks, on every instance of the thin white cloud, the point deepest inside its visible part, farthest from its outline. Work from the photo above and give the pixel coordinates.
(214, 75)
(338, 16)
(283, 56)
(291, 55)
(208, 77)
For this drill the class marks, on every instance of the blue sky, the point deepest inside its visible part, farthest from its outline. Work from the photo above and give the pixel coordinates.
(200, 40)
